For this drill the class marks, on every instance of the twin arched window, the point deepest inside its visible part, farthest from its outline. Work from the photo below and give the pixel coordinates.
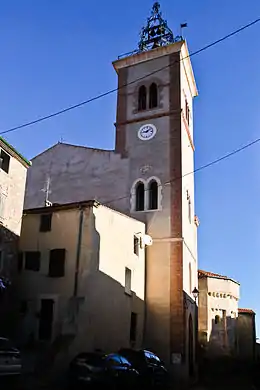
(139, 196)
(142, 97)
(146, 197)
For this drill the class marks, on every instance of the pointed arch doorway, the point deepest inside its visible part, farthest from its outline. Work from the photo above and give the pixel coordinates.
(191, 347)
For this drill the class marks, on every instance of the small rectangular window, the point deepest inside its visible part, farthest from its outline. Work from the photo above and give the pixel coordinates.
(187, 112)
(189, 210)
(128, 281)
(57, 263)
(32, 261)
(1, 261)
(2, 205)
(136, 245)
(20, 262)
(45, 222)
(4, 161)
(133, 327)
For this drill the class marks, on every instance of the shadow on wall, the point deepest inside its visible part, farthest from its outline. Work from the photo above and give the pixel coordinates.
(101, 314)
(8, 270)
(174, 336)
(225, 353)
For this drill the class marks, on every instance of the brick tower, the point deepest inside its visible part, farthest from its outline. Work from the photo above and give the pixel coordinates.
(154, 132)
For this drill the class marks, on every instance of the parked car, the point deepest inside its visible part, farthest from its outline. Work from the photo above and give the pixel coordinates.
(10, 359)
(97, 369)
(152, 371)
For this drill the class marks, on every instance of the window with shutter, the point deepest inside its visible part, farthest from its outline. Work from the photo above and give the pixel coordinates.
(57, 263)
(45, 222)
(32, 261)
(4, 161)
(128, 281)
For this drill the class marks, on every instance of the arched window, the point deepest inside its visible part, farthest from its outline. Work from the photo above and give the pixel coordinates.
(139, 196)
(142, 98)
(153, 195)
(153, 96)
(217, 319)
(190, 278)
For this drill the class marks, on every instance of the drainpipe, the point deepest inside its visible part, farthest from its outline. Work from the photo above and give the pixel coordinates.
(76, 278)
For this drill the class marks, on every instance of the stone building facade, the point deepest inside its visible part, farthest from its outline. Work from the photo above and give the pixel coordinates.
(13, 171)
(218, 312)
(224, 328)
(81, 277)
(148, 176)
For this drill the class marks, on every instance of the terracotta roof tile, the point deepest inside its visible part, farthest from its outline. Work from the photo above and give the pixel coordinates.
(204, 274)
(211, 274)
(246, 311)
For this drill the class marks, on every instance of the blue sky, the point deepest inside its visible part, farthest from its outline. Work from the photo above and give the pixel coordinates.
(57, 53)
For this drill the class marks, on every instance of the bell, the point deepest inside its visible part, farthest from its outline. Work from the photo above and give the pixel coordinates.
(153, 33)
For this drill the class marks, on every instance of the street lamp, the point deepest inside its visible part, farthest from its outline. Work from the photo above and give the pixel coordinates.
(195, 293)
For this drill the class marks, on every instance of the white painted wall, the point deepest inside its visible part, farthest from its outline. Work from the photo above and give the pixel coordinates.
(189, 229)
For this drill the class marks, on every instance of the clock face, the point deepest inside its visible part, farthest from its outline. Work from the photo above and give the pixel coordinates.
(147, 132)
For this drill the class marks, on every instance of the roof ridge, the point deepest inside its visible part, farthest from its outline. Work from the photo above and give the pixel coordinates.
(75, 146)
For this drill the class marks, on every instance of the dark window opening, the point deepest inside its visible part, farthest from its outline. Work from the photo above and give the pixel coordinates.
(139, 204)
(190, 278)
(1, 261)
(46, 319)
(136, 245)
(187, 112)
(23, 307)
(128, 281)
(20, 262)
(32, 261)
(45, 222)
(153, 96)
(133, 327)
(4, 161)
(189, 210)
(153, 195)
(142, 98)
(217, 319)
(57, 263)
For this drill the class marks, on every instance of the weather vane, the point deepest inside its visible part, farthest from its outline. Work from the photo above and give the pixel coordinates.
(156, 33)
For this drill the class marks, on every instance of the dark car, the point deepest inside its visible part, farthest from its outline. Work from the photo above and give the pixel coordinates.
(10, 359)
(97, 369)
(150, 367)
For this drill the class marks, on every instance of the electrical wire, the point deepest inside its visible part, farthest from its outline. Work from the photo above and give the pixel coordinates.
(213, 162)
(70, 108)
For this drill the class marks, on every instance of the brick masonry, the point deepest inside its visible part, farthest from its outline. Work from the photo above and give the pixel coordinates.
(177, 336)
(121, 114)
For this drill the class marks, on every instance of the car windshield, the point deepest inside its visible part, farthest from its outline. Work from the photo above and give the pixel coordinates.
(151, 357)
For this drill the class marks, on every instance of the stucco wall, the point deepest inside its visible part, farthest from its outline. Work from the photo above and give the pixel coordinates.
(12, 187)
(77, 173)
(218, 298)
(107, 312)
(105, 252)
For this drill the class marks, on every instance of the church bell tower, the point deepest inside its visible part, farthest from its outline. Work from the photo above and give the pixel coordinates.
(154, 132)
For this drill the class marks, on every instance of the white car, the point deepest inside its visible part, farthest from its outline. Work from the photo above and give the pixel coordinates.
(10, 358)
